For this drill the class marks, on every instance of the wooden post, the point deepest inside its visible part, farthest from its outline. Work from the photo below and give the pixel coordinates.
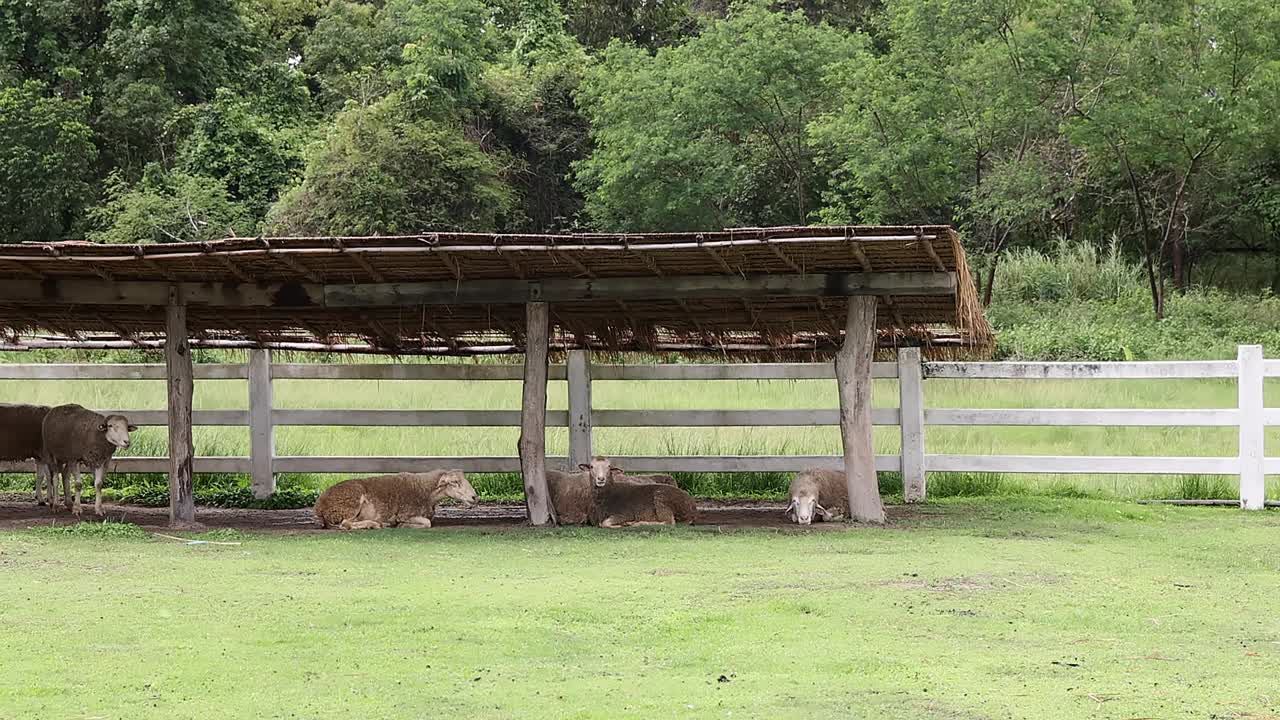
(911, 405)
(180, 375)
(533, 416)
(578, 373)
(261, 430)
(853, 378)
(1252, 474)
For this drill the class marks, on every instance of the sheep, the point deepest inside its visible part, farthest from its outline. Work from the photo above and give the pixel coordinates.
(618, 503)
(21, 439)
(74, 436)
(818, 493)
(572, 495)
(407, 499)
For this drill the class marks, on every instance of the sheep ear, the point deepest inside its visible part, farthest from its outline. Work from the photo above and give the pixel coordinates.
(583, 466)
(613, 470)
(133, 428)
(790, 507)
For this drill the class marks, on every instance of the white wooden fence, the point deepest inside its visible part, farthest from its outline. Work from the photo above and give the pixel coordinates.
(911, 415)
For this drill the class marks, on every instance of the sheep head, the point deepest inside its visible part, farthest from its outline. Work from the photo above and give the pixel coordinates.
(455, 485)
(116, 428)
(804, 506)
(600, 470)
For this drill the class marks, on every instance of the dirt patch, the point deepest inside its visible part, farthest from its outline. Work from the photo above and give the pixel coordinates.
(715, 516)
(969, 583)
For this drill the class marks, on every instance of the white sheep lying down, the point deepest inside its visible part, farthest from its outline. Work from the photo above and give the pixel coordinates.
(21, 439)
(407, 499)
(820, 494)
(74, 436)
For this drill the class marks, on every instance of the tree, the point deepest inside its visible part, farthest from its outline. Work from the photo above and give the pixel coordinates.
(1179, 93)
(168, 207)
(385, 170)
(46, 155)
(713, 132)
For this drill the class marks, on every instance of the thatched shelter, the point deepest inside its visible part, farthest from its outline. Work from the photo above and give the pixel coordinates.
(816, 292)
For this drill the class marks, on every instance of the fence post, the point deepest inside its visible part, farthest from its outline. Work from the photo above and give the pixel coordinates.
(1252, 477)
(578, 373)
(262, 444)
(911, 406)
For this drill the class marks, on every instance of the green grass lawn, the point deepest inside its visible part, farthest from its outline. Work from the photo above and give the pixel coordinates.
(993, 608)
(709, 441)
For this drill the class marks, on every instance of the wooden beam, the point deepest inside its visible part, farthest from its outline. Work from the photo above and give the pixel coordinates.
(262, 445)
(638, 288)
(82, 291)
(180, 377)
(911, 416)
(853, 379)
(578, 370)
(533, 416)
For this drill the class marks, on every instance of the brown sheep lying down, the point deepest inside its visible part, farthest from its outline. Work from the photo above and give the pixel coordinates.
(618, 503)
(818, 493)
(572, 494)
(407, 499)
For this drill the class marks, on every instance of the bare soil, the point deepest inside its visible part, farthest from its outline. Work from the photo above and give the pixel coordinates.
(16, 513)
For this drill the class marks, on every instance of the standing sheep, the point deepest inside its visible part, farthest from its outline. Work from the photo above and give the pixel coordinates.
(21, 439)
(572, 495)
(618, 503)
(818, 493)
(407, 499)
(74, 436)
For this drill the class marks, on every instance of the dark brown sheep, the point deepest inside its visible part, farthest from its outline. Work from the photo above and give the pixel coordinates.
(617, 503)
(74, 436)
(21, 439)
(572, 495)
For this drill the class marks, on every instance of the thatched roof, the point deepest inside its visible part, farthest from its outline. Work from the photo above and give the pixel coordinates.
(296, 292)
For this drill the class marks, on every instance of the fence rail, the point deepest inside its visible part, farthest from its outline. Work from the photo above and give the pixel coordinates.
(911, 416)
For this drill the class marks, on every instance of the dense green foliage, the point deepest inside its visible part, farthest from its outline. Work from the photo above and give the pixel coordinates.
(1024, 122)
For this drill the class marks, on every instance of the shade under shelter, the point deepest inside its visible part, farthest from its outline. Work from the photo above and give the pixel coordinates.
(816, 292)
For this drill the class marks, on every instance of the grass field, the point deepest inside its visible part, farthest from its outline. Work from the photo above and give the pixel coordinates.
(710, 441)
(995, 608)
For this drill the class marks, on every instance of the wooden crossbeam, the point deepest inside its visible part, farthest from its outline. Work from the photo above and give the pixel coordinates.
(933, 253)
(81, 291)
(575, 263)
(233, 269)
(786, 259)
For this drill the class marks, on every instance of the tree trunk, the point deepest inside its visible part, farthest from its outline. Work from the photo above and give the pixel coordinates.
(991, 280)
(533, 416)
(181, 382)
(853, 378)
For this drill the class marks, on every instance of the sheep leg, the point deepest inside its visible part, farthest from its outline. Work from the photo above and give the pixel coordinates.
(66, 485)
(51, 480)
(99, 473)
(78, 483)
(417, 521)
(39, 485)
(360, 525)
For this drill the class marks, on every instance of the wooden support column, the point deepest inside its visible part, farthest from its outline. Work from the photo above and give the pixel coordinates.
(533, 416)
(853, 377)
(911, 404)
(262, 443)
(180, 376)
(578, 373)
